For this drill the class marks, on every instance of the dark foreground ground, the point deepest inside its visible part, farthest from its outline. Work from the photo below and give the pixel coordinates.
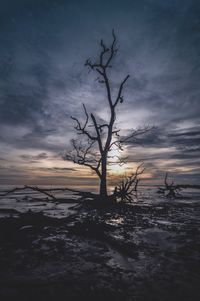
(119, 253)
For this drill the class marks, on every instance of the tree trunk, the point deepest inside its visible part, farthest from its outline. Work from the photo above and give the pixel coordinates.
(103, 180)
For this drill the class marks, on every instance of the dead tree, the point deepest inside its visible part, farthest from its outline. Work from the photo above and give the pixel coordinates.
(169, 190)
(99, 137)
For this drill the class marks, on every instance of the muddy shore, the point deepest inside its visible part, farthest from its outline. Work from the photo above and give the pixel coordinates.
(139, 252)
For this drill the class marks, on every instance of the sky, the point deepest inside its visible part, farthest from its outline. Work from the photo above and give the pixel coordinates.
(43, 81)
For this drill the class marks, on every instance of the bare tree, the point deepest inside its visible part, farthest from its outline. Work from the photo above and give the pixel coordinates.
(100, 137)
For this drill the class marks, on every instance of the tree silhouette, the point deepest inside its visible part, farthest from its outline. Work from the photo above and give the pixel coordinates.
(100, 137)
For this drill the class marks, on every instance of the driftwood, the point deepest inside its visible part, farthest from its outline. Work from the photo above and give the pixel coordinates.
(170, 190)
(49, 192)
(127, 189)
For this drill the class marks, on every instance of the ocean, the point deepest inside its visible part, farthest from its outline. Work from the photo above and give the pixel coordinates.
(26, 200)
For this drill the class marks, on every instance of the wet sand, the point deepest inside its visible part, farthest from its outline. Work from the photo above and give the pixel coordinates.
(140, 252)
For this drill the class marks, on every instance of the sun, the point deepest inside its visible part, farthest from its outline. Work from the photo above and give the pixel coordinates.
(114, 167)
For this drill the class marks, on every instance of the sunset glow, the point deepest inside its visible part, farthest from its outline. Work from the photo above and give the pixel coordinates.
(44, 82)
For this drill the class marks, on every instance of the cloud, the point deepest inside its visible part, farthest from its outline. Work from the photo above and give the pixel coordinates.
(43, 80)
(57, 169)
(29, 158)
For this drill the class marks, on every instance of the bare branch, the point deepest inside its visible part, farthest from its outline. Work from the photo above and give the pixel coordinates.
(83, 156)
(116, 143)
(34, 188)
(135, 133)
(119, 95)
(120, 160)
(87, 117)
(113, 49)
(82, 129)
(105, 50)
(101, 126)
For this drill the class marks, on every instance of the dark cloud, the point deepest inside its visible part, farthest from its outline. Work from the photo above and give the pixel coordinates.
(36, 158)
(193, 132)
(44, 44)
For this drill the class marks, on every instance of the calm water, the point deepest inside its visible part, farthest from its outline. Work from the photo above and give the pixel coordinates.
(22, 201)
